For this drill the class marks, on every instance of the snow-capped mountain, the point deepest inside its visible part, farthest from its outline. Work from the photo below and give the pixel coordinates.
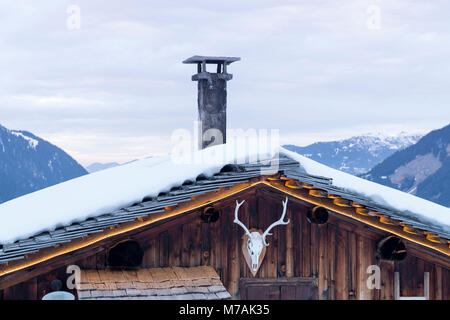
(356, 155)
(422, 169)
(29, 163)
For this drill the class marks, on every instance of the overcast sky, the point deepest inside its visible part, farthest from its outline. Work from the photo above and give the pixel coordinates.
(115, 89)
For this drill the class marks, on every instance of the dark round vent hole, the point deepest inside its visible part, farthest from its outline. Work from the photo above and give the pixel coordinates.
(210, 214)
(318, 215)
(126, 254)
(392, 248)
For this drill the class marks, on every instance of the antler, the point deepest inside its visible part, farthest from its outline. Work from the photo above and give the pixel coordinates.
(276, 223)
(236, 219)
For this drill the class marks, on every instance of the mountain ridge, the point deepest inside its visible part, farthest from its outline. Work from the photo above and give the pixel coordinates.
(422, 169)
(29, 163)
(358, 154)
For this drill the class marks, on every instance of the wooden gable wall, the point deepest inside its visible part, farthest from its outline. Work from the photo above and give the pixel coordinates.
(337, 253)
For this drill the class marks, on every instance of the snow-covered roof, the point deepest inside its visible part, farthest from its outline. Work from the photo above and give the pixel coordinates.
(409, 205)
(109, 190)
(105, 191)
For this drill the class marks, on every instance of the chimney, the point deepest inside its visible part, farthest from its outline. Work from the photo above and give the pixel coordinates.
(212, 98)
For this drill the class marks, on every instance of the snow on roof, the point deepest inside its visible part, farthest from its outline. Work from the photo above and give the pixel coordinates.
(111, 189)
(105, 191)
(411, 206)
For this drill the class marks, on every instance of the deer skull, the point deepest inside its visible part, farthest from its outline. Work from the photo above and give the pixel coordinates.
(254, 248)
(256, 241)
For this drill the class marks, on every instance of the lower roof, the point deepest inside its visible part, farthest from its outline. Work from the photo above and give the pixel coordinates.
(171, 283)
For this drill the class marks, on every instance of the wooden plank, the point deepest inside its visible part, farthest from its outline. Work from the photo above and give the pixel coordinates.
(288, 293)
(271, 212)
(227, 219)
(206, 243)
(332, 261)
(243, 293)
(289, 246)
(306, 246)
(363, 261)
(438, 282)
(101, 260)
(305, 292)
(216, 243)
(14, 292)
(342, 263)
(353, 260)
(43, 285)
(187, 245)
(233, 258)
(255, 293)
(298, 226)
(164, 249)
(253, 211)
(30, 290)
(420, 271)
(175, 246)
(196, 243)
(281, 240)
(244, 217)
(387, 269)
(323, 262)
(89, 262)
(445, 284)
(428, 267)
(408, 276)
(261, 224)
(314, 250)
(151, 254)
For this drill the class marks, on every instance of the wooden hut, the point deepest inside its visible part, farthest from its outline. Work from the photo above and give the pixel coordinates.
(247, 226)
(193, 238)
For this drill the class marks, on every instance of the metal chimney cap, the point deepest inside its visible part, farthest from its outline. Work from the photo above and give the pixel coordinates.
(209, 59)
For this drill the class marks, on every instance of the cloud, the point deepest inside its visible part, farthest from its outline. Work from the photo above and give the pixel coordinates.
(310, 69)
